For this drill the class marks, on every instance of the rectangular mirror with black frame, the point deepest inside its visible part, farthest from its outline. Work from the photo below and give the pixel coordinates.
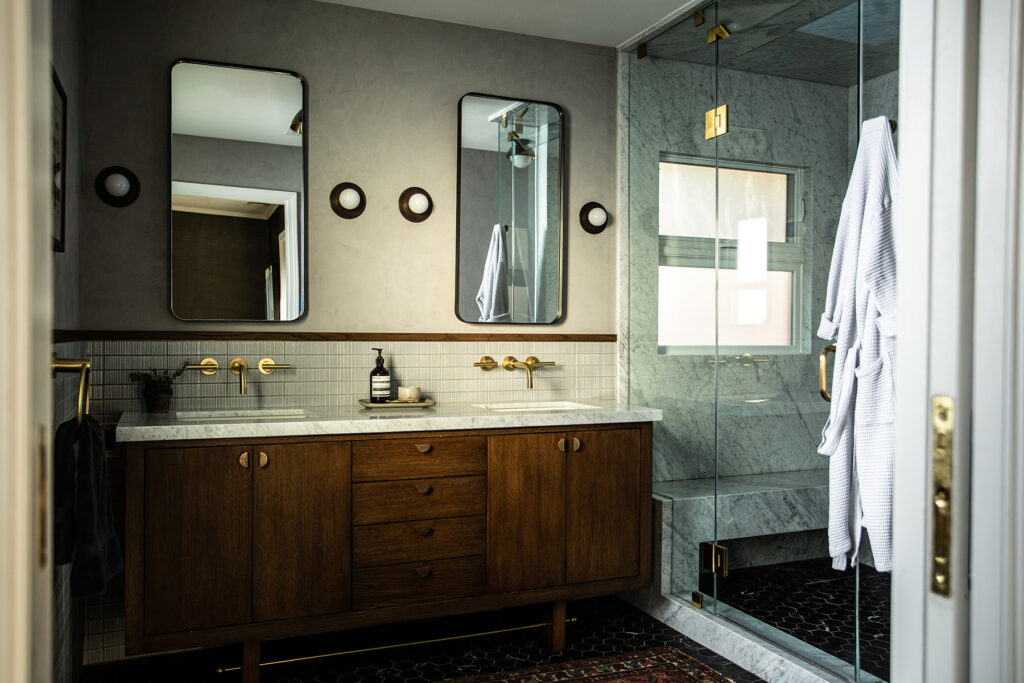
(238, 193)
(510, 211)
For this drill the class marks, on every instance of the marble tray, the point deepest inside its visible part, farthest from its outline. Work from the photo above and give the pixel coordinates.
(425, 403)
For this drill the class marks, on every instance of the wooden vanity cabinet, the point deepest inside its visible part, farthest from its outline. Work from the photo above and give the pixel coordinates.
(240, 534)
(306, 535)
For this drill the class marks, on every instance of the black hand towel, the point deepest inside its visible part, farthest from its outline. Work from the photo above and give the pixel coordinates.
(64, 492)
(97, 551)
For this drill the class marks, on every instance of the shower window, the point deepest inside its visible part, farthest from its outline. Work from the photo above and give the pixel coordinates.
(760, 260)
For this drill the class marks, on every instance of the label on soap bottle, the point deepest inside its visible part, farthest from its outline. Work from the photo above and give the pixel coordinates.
(380, 387)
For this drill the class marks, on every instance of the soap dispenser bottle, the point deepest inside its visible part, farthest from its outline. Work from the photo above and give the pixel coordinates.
(380, 380)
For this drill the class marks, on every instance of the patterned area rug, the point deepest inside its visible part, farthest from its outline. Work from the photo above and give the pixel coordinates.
(657, 665)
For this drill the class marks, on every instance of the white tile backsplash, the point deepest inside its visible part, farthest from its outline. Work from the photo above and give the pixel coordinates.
(337, 373)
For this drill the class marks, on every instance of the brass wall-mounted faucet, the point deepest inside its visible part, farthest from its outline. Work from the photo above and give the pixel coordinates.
(239, 367)
(530, 364)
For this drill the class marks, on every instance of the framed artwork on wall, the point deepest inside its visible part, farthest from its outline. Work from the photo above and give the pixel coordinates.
(58, 145)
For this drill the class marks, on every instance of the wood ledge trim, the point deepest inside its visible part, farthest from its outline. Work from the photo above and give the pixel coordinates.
(61, 336)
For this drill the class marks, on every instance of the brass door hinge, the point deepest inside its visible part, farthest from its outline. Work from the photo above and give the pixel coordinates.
(942, 492)
(697, 599)
(716, 122)
(714, 558)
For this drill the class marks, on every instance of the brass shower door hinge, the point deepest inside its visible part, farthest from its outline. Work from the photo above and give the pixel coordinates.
(714, 558)
(716, 122)
(717, 33)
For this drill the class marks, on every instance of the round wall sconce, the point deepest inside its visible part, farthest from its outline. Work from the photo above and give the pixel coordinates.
(117, 186)
(415, 204)
(348, 200)
(593, 218)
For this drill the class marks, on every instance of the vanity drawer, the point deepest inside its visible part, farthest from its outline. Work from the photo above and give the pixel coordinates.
(399, 501)
(402, 584)
(429, 456)
(433, 539)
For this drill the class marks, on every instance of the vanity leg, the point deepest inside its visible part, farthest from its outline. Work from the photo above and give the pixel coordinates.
(554, 632)
(251, 661)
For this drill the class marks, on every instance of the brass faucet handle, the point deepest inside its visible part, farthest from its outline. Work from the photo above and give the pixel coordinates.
(535, 363)
(267, 366)
(208, 366)
(510, 363)
(487, 363)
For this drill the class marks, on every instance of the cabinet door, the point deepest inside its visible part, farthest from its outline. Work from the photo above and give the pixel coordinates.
(603, 514)
(302, 530)
(198, 538)
(525, 512)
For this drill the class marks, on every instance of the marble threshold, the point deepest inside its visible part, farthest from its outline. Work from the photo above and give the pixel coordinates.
(355, 419)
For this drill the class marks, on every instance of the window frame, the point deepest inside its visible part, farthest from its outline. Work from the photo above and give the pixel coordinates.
(793, 256)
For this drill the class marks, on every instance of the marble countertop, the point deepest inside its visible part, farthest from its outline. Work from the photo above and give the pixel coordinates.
(358, 420)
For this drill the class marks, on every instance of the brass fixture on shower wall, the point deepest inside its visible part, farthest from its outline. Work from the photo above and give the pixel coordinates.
(208, 366)
(717, 33)
(239, 367)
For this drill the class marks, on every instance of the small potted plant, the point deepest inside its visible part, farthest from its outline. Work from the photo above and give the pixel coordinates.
(156, 387)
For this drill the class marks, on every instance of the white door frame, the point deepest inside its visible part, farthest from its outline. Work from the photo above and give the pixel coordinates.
(997, 478)
(26, 309)
(935, 246)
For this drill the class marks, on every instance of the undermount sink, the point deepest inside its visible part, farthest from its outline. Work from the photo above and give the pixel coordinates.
(254, 414)
(520, 406)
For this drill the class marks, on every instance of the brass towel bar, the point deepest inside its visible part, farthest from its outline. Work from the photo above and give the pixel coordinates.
(82, 367)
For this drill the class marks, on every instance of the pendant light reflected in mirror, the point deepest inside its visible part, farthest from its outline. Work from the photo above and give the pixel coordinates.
(117, 186)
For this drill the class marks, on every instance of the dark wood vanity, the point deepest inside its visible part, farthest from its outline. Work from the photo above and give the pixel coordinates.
(234, 540)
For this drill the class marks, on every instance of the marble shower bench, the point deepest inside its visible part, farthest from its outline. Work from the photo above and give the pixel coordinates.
(749, 506)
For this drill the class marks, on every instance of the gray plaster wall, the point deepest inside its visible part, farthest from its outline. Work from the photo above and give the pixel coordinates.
(65, 46)
(772, 120)
(383, 97)
(481, 186)
(197, 159)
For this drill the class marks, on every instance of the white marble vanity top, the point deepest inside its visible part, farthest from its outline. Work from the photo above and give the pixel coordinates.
(358, 420)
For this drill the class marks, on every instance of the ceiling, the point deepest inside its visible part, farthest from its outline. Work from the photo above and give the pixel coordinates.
(607, 22)
(251, 105)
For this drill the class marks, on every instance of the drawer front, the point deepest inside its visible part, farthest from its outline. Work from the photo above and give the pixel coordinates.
(402, 584)
(389, 459)
(433, 539)
(400, 501)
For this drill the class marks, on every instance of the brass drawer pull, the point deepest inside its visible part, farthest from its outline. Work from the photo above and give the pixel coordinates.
(424, 489)
(424, 447)
(422, 572)
(424, 531)
(576, 445)
(561, 445)
(264, 460)
(243, 460)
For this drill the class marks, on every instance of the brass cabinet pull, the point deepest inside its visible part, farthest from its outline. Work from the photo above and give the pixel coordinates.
(424, 531)
(823, 371)
(424, 447)
(243, 460)
(576, 445)
(263, 460)
(422, 572)
(424, 490)
(561, 445)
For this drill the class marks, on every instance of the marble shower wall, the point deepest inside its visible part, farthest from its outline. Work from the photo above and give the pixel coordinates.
(772, 120)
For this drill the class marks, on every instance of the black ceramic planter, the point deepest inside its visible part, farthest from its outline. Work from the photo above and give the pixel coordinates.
(158, 396)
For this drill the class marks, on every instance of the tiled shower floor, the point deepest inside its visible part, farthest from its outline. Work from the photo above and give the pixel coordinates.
(604, 626)
(814, 603)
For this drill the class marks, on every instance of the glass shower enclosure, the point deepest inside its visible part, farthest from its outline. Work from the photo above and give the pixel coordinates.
(744, 123)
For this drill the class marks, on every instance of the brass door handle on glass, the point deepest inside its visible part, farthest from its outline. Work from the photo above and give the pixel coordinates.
(267, 366)
(243, 460)
(823, 371)
(239, 367)
(208, 366)
(264, 460)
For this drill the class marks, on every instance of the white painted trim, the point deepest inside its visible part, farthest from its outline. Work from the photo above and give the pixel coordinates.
(997, 477)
